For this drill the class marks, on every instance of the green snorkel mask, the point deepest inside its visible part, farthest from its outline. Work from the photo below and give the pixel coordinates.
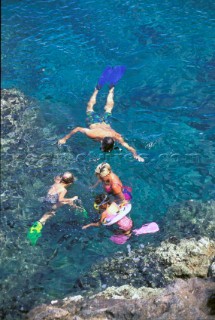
(97, 206)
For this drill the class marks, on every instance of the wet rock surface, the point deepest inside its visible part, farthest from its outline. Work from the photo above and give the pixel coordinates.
(190, 300)
(145, 286)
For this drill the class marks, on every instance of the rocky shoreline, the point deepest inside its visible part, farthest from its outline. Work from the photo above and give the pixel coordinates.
(173, 281)
(184, 300)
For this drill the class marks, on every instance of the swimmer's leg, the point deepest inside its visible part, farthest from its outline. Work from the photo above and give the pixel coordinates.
(92, 101)
(110, 102)
(47, 216)
(128, 233)
(124, 232)
(50, 214)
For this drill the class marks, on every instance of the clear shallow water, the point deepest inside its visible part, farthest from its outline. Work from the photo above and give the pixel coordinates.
(54, 51)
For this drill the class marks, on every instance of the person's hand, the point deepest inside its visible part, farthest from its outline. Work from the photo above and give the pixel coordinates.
(84, 227)
(71, 201)
(61, 141)
(139, 158)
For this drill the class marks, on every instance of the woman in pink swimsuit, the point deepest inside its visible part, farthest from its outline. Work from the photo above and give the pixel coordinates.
(112, 184)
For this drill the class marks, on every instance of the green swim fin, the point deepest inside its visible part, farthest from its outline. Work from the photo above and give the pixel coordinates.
(85, 213)
(82, 210)
(34, 233)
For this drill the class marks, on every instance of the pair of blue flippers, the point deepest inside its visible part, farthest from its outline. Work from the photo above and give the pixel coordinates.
(111, 75)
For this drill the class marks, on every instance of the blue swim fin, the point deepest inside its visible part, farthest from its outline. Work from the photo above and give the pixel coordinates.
(116, 75)
(104, 77)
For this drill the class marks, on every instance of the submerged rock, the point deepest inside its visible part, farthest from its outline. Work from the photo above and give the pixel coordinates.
(153, 267)
(191, 219)
(190, 258)
(140, 285)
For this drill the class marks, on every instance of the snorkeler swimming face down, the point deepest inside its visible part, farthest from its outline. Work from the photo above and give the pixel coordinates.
(101, 201)
(99, 127)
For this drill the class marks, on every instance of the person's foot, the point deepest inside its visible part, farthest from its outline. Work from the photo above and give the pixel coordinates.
(127, 233)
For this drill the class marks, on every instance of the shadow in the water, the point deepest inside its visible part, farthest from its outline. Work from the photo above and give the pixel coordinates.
(207, 70)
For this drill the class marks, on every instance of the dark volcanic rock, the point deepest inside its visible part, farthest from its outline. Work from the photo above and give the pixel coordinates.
(190, 300)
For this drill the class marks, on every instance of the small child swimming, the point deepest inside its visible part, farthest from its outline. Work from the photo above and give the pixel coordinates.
(108, 210)
(55, 198)
(56, 195)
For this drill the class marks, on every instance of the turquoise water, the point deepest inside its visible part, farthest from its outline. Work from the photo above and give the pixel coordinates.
(54, 52)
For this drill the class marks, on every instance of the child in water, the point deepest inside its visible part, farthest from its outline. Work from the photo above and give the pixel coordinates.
(108, 211)
(56, 195)
(55, 198)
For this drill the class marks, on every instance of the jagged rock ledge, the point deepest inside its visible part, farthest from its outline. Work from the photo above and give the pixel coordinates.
(165, 294)
(190, 300)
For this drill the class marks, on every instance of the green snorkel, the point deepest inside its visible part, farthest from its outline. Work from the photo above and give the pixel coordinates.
(34, 233)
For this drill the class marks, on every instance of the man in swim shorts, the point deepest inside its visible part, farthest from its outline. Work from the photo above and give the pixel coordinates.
(100, 126)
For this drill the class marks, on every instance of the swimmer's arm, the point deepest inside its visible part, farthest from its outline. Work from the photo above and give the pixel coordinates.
(93, 224)
(132, 150)
(95, 184)
(64, 200)
(77, 129)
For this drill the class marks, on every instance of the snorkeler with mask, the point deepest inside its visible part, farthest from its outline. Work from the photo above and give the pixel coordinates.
(112, 214)
(100, 126)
